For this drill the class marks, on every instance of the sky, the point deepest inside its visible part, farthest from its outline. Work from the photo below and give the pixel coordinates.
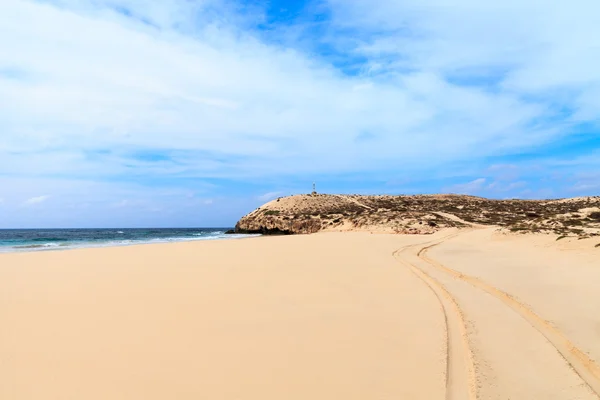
(141, 113)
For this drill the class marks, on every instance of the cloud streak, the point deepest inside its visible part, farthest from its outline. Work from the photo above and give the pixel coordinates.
(36, 200)
(269, 196)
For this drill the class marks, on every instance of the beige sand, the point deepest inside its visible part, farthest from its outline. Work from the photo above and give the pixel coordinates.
(325, 316)
(308, 317)
(551, 291)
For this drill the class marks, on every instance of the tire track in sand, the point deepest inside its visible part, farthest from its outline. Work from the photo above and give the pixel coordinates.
(587, 369)
(460, 376)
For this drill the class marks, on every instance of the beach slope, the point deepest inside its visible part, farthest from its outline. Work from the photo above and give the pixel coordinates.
(327, 316)
(469, 313)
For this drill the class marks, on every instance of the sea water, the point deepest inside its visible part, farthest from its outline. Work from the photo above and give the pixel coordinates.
(17, 240)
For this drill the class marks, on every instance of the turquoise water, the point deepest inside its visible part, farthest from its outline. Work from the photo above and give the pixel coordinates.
(15, 240)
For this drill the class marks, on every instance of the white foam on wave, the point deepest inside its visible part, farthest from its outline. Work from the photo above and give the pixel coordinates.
(120, 243)
(33, 247)
(214, 233)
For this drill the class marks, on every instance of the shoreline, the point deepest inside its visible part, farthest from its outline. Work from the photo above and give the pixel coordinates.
(75, 244)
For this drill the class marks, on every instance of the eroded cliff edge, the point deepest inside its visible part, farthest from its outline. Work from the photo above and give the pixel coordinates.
(421, 214)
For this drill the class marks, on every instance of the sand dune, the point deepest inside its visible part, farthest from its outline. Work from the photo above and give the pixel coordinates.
(460, 314)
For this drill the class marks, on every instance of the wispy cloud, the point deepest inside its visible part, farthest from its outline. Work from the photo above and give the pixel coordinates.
(471, 187)
(36, 200)
(122, 203)
(172, 81)
(269, 196)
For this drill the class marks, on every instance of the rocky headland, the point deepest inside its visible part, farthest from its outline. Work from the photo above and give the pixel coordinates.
(421, 214)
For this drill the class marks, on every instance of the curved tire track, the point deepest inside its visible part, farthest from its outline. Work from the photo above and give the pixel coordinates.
(460, 371)
(587, 369)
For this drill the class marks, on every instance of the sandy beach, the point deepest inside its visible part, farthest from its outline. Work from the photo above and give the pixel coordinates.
(299, 200)
(460, 314)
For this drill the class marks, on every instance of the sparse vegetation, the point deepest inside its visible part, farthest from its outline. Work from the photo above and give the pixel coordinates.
(418, 214)
(518, 228)
(576, 222)
(561, 237)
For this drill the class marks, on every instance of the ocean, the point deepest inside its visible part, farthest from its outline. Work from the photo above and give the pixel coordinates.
(19, 240)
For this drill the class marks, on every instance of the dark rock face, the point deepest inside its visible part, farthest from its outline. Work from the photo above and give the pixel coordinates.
(264, 231)
(272, 225)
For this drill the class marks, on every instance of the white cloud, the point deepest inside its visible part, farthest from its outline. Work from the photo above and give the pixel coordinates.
(547, 51)
(269, 196)
(81, 203)
(122, 203)
(504, 172)
(472, 187)
(93, 79)
(584, 186)
(503, 186)
(36, 200)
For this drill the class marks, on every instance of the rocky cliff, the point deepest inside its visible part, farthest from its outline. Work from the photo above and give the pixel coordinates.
(421, 214)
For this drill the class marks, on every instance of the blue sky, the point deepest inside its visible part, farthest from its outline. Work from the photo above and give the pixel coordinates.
(118, 113)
